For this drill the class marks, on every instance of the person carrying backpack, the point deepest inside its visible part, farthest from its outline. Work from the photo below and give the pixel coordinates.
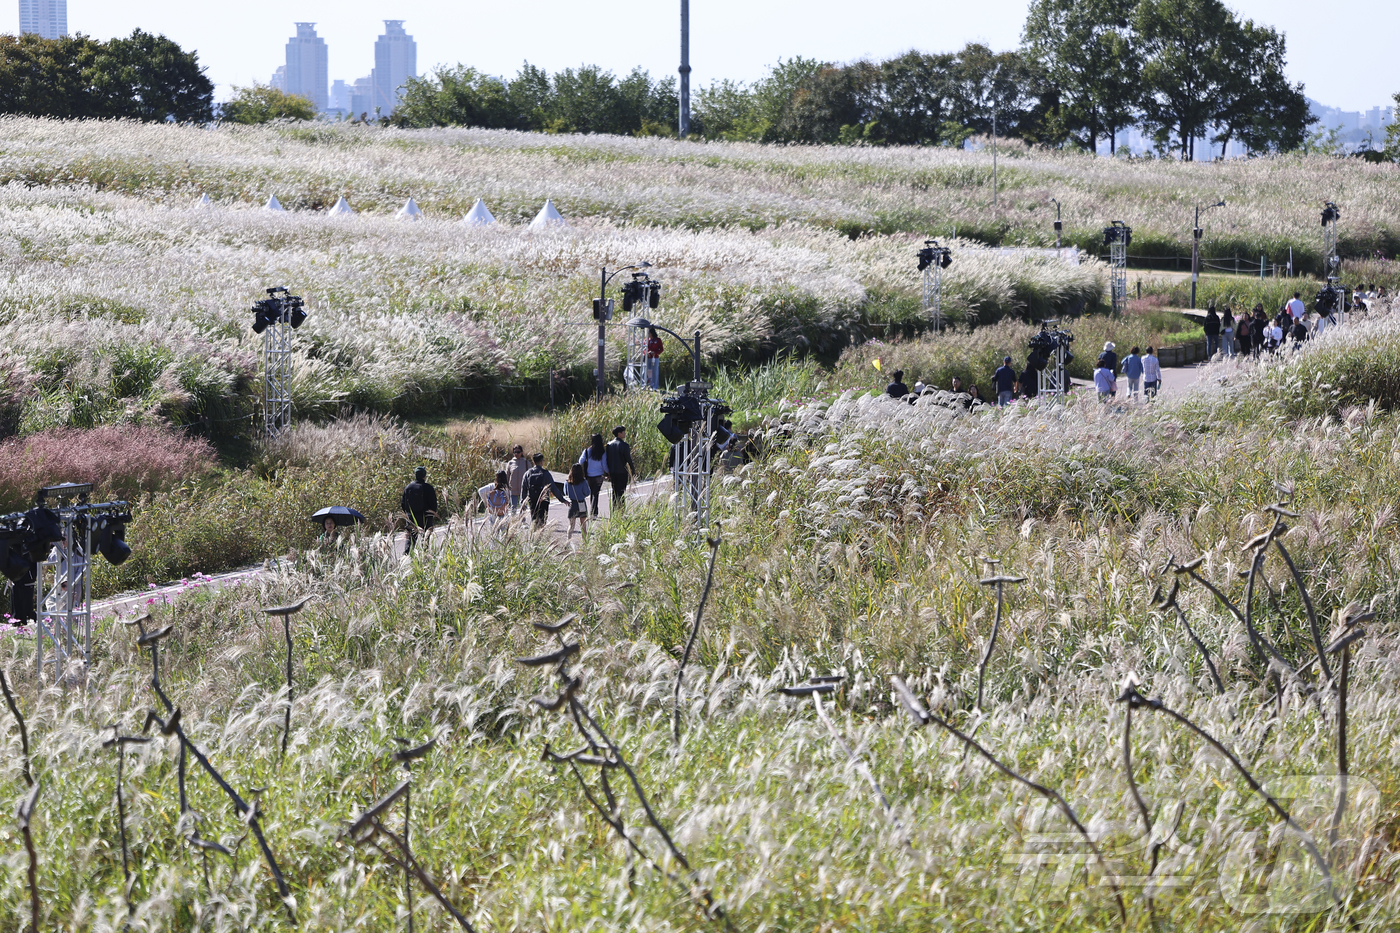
(539, 485)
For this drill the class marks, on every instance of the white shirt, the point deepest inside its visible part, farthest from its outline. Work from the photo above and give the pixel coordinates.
(1295, 308)
(1151, 368)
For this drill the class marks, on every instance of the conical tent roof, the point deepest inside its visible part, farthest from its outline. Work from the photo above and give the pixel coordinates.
(204, 202)
(273, 204)
(342, 208)
(409, 211)
(548, 216)
(478, 215)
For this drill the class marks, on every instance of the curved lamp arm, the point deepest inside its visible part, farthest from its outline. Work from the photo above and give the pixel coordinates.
(694, 350)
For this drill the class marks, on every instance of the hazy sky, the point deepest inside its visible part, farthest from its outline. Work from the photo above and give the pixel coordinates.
(1343, 51)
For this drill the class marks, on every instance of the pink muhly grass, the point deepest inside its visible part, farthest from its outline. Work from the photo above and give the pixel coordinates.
(121, 461)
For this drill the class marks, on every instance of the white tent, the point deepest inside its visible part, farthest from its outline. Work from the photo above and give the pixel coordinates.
(409, 211)
(342, 208)
(548, 216)
(204, 203)
(478, 215)
(273, 204)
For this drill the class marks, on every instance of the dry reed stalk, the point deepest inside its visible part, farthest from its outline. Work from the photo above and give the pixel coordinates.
(1132, 697)
(602, 752)
(998, 581)
(120, 742)
(23, 729)
(1169, 602)
(690, 642)
(923, 717)
(286, 612)
(23, 814)
(170, 725)
(368, 827)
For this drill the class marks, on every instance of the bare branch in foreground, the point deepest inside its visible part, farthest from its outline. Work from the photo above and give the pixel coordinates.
(923, 717)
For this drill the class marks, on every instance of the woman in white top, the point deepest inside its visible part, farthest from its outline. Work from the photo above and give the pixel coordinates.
(1151, 374)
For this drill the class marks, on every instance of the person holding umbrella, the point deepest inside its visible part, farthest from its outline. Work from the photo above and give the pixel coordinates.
(334, 517)
(419, 503)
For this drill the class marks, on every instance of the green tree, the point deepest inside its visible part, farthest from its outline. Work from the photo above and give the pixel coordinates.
(1392, 134)
(531, 96)
(261, 103)
(1186, 45)
(1087, 51)
(1010, 85)
(458, 96)
(1256, 104)
(913, 102)
(150, 78)
(830, 105)
(726, 110)
(46, 77)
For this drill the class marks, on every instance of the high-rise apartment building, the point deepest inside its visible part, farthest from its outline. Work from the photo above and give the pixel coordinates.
(307, 74)
(279, 78)
(340, 96)
(395, 61)
(362, 97)
(48, 18)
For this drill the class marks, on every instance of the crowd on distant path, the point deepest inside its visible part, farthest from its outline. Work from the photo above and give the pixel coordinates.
(1252, 334)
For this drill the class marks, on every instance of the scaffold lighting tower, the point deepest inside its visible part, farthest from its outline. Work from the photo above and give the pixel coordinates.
(1117, 237)
(275, 317)
(933, 259)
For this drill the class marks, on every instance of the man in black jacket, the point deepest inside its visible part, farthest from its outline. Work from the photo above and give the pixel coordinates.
(539, 484)
(897, 388)
(619, 465)
(419, 503)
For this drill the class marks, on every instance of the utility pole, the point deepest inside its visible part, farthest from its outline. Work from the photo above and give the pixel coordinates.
(1196, 250)
(602, 315)
(994, 155)
(685, 69)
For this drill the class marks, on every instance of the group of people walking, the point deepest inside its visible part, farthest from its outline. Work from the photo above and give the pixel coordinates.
(529, 484)
(1254, 332)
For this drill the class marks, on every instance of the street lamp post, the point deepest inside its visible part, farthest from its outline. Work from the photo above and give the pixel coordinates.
(685, 69)
(601, 312)
(1196, 249)
(1059, 227)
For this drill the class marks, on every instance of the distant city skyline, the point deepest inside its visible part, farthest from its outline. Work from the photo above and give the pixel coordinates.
(1344, 60)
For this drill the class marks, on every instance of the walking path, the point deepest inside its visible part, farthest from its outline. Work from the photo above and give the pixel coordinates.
(129, 605)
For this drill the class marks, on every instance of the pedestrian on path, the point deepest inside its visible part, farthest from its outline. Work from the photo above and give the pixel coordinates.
(594, 461)
(1005, 379)
(1105, 383)
(1212, 329)
(577, 491)
(539, 485)
(1227, 333)
(498, 499)
(419, 503)
(1151, 374)
(1132, 368)
(1109, 358)
(517, 467)
(1243, 332)
(1296, 308)
(621, 469)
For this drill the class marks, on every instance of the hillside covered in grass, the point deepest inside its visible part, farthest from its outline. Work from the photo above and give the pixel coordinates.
(854, 549)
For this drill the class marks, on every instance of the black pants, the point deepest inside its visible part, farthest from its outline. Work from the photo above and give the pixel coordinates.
(595, 489)
(539, 511)
(619, 492)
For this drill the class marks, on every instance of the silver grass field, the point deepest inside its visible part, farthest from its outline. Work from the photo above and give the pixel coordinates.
(854, 548)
